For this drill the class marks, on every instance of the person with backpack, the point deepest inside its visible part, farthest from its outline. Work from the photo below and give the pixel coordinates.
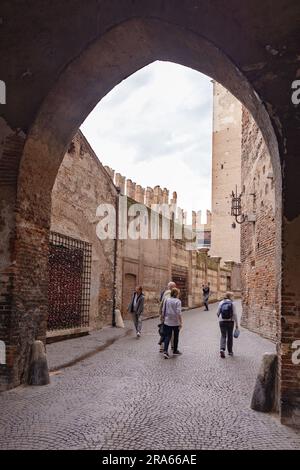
(227, 319)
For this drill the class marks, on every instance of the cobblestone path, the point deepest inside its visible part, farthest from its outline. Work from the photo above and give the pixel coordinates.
(128, 397)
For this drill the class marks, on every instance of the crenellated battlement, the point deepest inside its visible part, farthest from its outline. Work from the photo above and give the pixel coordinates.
(133, 190)
(157, 195)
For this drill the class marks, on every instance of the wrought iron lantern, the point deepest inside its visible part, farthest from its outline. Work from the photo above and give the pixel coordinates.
(236, 207)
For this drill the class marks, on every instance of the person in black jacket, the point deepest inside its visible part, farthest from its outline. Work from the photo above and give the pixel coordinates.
(136, 308)
(206, 293)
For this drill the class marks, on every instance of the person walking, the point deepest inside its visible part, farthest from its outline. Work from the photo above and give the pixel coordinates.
(227, 319)
(172, 320)
(165, 294)
(136, 308)
(206, 293)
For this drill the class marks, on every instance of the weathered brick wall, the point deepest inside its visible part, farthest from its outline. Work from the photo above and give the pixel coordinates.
(81, 185)
(11, 147)
(260, 307)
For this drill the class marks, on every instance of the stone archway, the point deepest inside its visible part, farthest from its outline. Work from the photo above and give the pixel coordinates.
(99, 66)
(82, 85)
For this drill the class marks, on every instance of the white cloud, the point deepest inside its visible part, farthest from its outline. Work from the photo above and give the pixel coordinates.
(155, 128)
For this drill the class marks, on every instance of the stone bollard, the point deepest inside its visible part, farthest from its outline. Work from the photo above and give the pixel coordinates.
(38, 371)
(119, 319)
(264, 395)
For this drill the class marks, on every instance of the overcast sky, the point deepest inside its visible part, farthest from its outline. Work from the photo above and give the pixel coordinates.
(155, 128)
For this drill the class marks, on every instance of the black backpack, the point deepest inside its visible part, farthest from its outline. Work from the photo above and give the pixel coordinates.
(226, 310)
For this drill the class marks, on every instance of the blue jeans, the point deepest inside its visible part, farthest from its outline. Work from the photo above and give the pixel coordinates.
(168, 330)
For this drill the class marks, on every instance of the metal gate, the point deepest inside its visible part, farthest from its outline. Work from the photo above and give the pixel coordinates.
(69, 282)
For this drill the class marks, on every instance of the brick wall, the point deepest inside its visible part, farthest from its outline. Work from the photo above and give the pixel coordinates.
(11, 147)
(258, 256)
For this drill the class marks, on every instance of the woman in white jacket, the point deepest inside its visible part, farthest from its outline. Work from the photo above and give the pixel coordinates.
(172, 320)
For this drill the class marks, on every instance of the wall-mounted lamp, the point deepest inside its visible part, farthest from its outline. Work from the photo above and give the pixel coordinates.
(236, 207)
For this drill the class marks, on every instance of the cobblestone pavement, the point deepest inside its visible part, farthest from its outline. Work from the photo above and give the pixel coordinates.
(128, 397)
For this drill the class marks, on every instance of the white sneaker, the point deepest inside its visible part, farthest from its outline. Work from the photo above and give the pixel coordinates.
(138, 334)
